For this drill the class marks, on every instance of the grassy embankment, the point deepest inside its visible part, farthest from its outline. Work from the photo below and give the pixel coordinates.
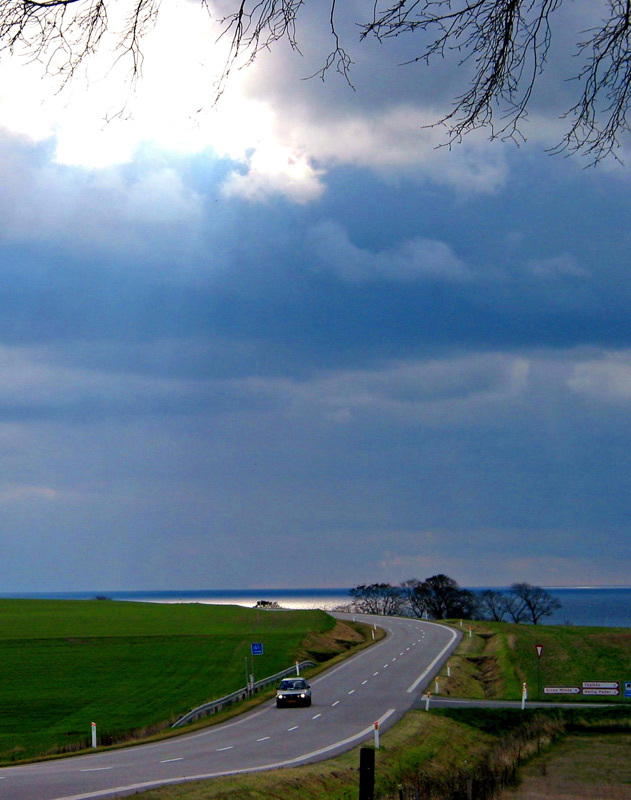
(495, 662)
(68, 669)
(445, 749)
(132, 668)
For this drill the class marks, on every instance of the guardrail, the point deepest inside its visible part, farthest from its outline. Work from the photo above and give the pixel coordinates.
(215, 706)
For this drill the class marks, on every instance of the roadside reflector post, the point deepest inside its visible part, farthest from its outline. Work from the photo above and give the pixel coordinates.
(427, 696)
(377, 735)
(437, 687)
(461, 623)
(524, 695)
(470, 633)
(297, 667)
(373, 634)
(366, 773)
(448, 670)
(94, 734)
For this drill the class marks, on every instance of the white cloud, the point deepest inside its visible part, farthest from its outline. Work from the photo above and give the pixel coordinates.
(556, 266)
(28, 494)
(395, 141)
(433, 392)
(273, 170)
(607, 378)
(408, 261)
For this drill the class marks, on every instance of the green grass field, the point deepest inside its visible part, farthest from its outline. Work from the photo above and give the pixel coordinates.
(128, 666)
(501, 656)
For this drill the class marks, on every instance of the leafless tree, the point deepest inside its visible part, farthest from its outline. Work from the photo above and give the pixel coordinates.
(377, 598)
(515, 608)
(440, 597)
(535, 601)
(493, 605)
(504, 45)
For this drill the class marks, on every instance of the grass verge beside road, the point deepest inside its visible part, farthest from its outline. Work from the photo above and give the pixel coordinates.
(495, 661)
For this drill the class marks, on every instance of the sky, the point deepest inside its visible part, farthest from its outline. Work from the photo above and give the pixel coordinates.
(286, 340)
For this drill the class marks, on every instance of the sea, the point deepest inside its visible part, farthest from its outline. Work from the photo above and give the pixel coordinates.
(607, 606)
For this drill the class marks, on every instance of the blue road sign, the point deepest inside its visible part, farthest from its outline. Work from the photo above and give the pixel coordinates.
(627, 689)
(257, 649)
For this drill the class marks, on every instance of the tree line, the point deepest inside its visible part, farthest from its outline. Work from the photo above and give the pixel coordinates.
(440, 597)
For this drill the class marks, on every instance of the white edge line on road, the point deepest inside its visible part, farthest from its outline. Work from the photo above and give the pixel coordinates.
(436, 660)
(170, 760)
(290, 762)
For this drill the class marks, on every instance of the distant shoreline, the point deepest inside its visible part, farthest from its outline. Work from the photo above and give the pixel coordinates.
(606, 606)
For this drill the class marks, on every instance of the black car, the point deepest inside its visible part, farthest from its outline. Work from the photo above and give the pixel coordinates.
(293, 692)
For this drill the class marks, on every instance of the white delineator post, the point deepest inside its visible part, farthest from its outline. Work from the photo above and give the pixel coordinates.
(437, 687)
(524, 695)
(297, 667)
(427, 696)
(377, 735)
(448, 670)
(94, 734)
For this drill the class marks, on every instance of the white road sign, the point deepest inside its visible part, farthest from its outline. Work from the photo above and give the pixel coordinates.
(561, 690)
(601, 685)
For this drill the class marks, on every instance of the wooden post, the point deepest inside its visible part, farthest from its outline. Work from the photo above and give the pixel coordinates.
(366, 773)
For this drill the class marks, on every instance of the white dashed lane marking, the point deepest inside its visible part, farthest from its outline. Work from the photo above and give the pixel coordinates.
(95, 769)
(221, 749)
(170, 760)
(263, 739)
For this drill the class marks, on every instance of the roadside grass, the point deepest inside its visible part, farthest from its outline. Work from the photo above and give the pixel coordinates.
(132, 666)
(419, 739)
(430, 750)
(581, 767)
(499, 657)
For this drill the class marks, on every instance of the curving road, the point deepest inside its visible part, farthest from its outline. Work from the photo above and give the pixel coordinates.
(378, 684)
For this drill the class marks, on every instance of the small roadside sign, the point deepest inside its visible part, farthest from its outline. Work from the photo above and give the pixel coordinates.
(561, 690)
(539, 649)
(627, 689)
(601, 692)
(257, 648)
(601, 685)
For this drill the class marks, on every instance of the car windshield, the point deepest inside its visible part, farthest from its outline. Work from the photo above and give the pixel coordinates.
(292, 685)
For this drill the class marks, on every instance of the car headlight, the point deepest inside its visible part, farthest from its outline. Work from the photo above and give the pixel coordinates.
(303, 695)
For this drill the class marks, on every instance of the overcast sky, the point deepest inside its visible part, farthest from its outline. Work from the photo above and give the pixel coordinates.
(287, 342)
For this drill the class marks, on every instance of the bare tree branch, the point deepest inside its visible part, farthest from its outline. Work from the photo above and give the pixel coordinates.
(503, 45)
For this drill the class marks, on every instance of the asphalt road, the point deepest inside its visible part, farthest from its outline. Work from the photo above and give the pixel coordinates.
(378, 684)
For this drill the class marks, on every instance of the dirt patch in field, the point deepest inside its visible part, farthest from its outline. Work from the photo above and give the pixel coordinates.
(322, 646)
